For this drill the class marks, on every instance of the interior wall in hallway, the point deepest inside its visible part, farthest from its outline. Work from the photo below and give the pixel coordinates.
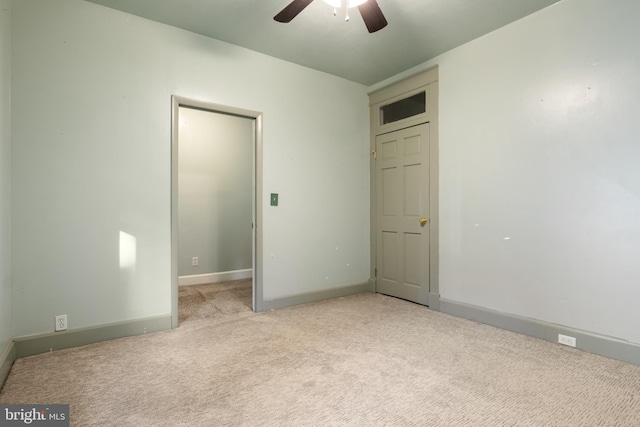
(215, 187)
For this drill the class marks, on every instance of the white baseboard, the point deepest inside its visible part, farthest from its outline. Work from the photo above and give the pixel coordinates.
(202, 279)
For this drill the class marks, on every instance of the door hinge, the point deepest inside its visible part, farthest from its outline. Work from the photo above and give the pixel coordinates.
(375, 272)
(374, 153)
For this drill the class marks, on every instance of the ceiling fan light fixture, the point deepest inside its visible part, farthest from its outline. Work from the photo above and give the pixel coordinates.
(369, 10)
(338, 3)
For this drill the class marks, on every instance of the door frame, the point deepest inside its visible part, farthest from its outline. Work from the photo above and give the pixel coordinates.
(423, 81)
(256, 215)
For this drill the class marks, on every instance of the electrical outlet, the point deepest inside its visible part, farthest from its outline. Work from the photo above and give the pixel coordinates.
(61, 323)
(194, 261)
(567, 340)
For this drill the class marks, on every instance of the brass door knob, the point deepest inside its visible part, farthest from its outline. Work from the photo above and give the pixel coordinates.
(423, 221)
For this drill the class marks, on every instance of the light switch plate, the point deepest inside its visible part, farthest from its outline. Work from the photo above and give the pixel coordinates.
(274, 199)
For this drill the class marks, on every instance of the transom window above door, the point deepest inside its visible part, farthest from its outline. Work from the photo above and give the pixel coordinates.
(404, 108)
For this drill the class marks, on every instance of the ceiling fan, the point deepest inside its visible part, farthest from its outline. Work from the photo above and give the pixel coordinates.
(369, 9)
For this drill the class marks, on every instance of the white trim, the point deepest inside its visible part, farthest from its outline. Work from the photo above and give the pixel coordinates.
(201, 279)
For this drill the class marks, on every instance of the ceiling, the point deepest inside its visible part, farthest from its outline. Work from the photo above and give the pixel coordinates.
(418, 30)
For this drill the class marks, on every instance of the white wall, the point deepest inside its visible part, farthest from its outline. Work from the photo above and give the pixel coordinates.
(215, 186)
(91, 158)
(5, 172)
(539, 168)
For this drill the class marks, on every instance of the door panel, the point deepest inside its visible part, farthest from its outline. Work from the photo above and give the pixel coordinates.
(390, 255)
(412, 259)
(389, 194)
(411, 189)
(402, 183)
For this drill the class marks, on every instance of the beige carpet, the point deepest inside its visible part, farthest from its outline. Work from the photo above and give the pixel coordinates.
(364, 360)
(214, 301)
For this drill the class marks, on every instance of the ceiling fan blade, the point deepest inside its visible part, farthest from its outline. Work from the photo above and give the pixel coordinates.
(292, 10)
(372, 16)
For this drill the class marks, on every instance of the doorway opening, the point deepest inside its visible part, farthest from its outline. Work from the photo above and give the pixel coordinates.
(216, 216)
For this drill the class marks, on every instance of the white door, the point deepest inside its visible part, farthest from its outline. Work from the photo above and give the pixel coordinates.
(402, 213)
